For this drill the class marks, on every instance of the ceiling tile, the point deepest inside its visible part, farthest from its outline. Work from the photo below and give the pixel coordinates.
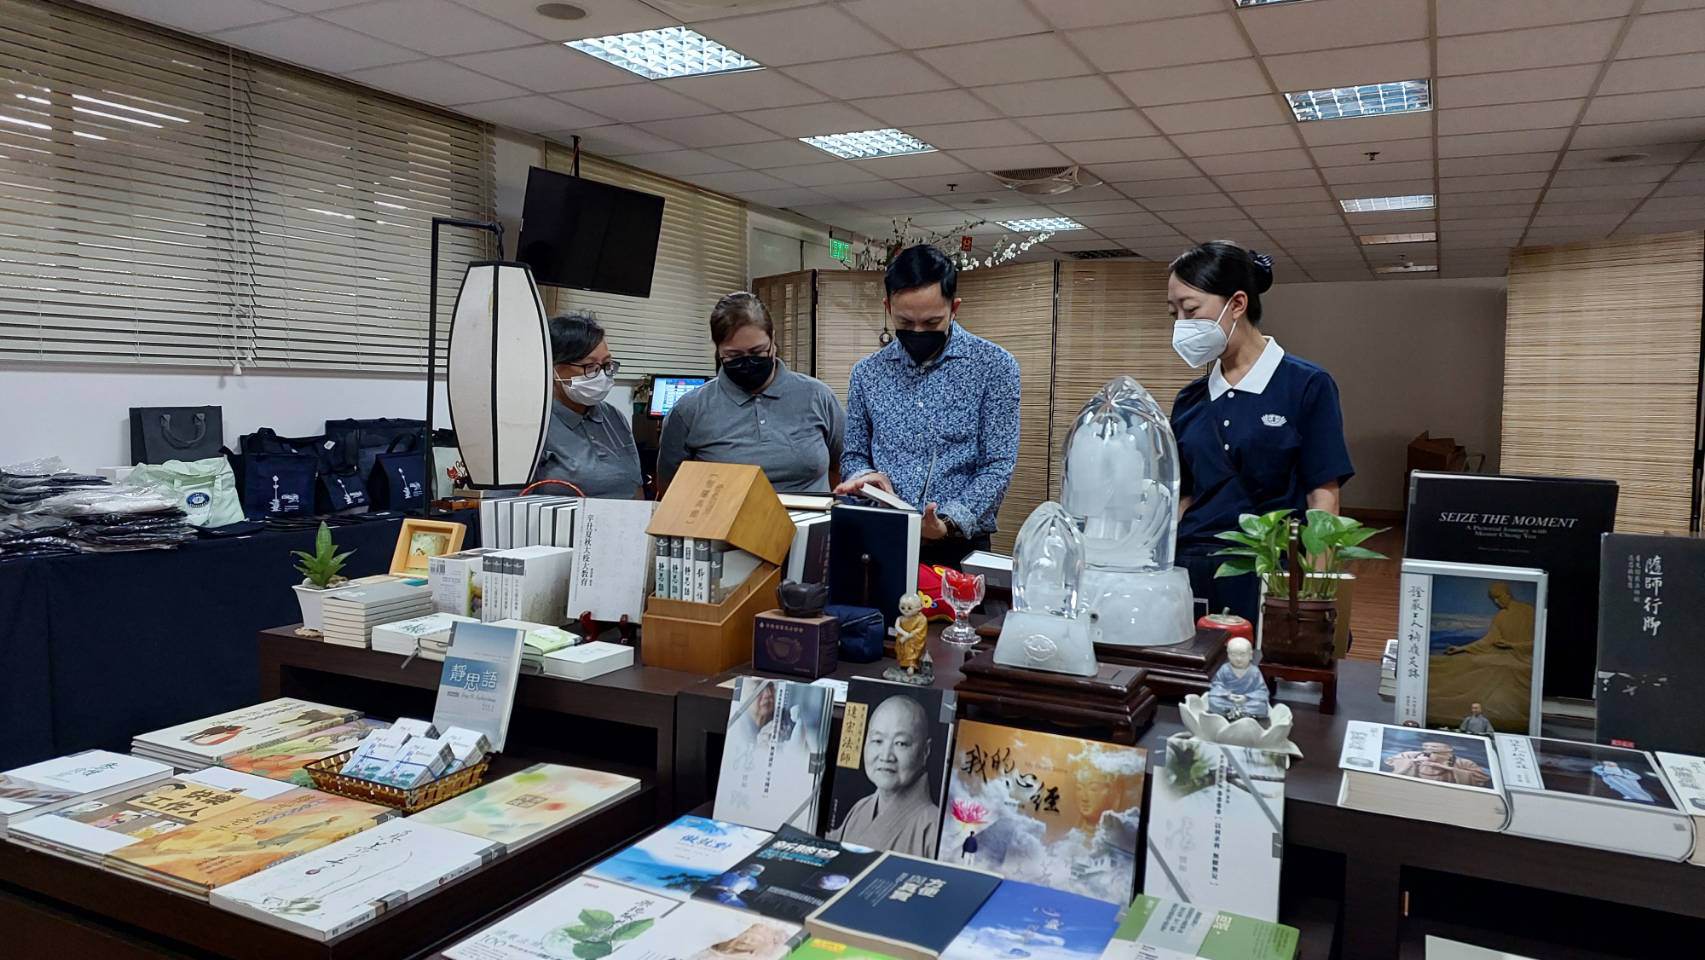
(914, 165)
(1248, 140)
(1350, 66)
(1668, 105)
(197, 16)
(1515, 86)
(1080, 211)
(1379, 170)
(1620, 206)
(786, 197)
(745, 90)
(1118, 151)
(1072, 95)
(767, 154)
(819, 174)
(715, 131)
(912, 207)
(966, 183)
(1509, 116)
(1507, 163)
(1190, 201)
(1362, 129)
(1073, 14)
(813, 120)
(604, 18)
(1220, 114)
(437, 27)
(1270, 180)
(300, 6)
(1191, 82)
(1487, 144)
(1479, 16)
(1014, 157)
(534, 114)
(545, 68)
(1487, 215)
(874, 190)
(1118, 173)
(1098, 125)
(1315, 220)
(1503, 181)
(316, 44)
(1611, 191)
(1015, 60)
(942, 22)
(802, 35)
(617, 140)
(1334, 23)
(976, 133)
(1287, 195)
(1660, 34)
(1184, 186)
(435, 81)
(1654, 73)
(884, 75)
(1389, 151)
(1520, 49)
(1269, 211)
(682, 163)
(909, 110)
(1665, 153)
(739, 180)
(1120, 221)
(1638, 134)
(1612, 175)
(1162, 43)
(637, 102)
(1256, 162)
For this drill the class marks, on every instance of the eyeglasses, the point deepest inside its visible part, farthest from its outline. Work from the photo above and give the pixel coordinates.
(730, 356)
(611, 367)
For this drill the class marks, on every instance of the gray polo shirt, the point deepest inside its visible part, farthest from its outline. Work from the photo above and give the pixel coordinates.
(791, 429)
(594, 451)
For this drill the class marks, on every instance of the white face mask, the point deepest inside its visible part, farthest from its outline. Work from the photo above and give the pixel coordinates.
(590, 389)
(1200, 342)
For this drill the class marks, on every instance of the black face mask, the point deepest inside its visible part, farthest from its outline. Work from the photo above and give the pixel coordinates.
(921, 344)
(749, 373)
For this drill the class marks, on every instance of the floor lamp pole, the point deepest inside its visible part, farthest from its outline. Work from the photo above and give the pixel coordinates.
(496, 230)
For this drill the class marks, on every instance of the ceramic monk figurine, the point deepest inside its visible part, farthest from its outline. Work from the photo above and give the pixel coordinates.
(911, 643)
(1238, 689)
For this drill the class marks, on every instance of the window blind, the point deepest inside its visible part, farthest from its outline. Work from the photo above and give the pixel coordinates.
(164, 200)
(701, 255)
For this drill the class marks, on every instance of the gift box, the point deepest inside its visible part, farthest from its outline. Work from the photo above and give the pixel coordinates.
(807, 647)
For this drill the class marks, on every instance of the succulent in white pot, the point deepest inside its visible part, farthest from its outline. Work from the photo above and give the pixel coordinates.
(320, 576)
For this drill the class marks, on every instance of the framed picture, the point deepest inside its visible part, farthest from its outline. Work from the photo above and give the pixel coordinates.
(421, 540)
(1471, 647)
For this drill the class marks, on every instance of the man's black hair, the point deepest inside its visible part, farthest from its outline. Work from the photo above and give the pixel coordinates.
(922, 266)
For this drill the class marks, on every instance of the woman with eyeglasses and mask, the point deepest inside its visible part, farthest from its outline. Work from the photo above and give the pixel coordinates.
(589, 443)
(756, 411)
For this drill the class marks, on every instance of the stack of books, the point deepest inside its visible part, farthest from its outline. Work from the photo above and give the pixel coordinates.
(526, 583)
(808, 558)
(1388, 671)
(427, 636)
(52, 785)
(524, 808)
(350, 616)
(211, 740)
(699, 570)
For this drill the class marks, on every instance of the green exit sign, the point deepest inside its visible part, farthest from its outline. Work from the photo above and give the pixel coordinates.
(839, 249)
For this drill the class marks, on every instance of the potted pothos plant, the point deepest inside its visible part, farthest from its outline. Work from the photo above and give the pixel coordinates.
(320, 572)
(1300, 565)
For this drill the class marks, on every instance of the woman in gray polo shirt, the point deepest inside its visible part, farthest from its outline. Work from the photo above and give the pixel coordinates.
(589, 442)
(756, 410)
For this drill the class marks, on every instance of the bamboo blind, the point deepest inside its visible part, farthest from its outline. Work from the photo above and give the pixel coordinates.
(1112, 321)
(849, 320)
(1014, 307)
(1601, 369)
(788, 298)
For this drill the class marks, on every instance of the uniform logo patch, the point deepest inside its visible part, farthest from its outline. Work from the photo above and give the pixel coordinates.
(1274, 420)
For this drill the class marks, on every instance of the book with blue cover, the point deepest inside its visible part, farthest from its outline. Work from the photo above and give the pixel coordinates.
(477, 688)
(1024, 920)
(682, 856)
(910, 908)
(789, 876)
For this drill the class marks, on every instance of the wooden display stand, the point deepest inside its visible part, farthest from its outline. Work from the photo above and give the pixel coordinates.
(1116, 702)
(1175, 671)
(1327, 677)
(733, 503)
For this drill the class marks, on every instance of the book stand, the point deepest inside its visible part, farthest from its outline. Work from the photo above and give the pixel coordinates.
(1115, 705)
(1327, 677)
(1173, 672)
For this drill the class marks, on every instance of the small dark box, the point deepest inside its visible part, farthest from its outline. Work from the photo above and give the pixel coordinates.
(806, 647)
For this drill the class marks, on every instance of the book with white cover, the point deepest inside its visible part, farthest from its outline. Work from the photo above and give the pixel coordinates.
(337, 888)
(585, 917)
(806, 501)
(476, 689)
(583, 661)
(1687, 778)
(1421, 774)
(455, 581)
(235, 781)
(774, 756)
(1216, 831)
(697, 929)
(871, 491)
(682, 857)
(204, 742)
(530, 583)
(612, 560)
(51, 785)
(1592, 796)
(406, 637)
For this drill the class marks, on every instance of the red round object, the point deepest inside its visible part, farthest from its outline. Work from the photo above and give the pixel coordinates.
(1231, 623)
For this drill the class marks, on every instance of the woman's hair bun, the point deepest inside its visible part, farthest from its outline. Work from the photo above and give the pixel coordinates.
(1263, 274)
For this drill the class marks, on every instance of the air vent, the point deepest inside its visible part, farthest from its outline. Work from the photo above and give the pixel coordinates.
(1111, 253)
(1043, 181)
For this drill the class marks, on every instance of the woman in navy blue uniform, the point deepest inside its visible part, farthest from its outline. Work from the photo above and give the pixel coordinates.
(1263, 430)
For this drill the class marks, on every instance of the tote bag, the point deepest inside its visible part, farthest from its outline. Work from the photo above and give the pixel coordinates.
(277, 484)
(398, 479)
(206, 490)
(358, 443)
(159, 434)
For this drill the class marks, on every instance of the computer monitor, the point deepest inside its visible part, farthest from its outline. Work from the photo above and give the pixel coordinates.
(667, 388)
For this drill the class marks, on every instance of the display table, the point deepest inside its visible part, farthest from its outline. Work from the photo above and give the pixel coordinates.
(57, 909)
(100, 646)
(627, 716)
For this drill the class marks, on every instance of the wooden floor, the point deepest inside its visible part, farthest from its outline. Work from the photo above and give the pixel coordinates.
(1373, 615)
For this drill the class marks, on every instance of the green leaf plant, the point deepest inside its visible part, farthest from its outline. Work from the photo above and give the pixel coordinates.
(321, 567)
(1328, 541)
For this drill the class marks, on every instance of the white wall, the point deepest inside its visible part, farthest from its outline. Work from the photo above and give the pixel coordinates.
(1408, 355)
(777, 243)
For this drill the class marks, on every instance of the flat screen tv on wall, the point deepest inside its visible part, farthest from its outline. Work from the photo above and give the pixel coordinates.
(587, 235)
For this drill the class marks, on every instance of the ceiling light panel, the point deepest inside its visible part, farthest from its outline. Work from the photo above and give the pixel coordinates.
(1263, 3)
(869, 144)
(1408, 268)
(1049, 224)
(1367, 100)
(1423, 201)
(1376, 239)
(665, 53)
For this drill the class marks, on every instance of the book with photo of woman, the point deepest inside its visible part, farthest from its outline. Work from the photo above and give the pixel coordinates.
(891, 767)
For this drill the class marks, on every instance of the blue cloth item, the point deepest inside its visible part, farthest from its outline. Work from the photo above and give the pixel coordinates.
(862, 632)
(944, 433)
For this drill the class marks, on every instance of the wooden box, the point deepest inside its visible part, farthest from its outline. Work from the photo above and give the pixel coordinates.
(731, 502)
(707, 637)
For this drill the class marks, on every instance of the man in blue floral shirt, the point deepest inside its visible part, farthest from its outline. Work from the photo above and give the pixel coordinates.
(933, 416)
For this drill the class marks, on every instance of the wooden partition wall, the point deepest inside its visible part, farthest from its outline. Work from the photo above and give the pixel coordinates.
(1602, 370)
(790, 298)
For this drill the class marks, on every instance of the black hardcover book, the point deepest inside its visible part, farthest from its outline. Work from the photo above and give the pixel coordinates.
(891, 767)
(1651, 675)
(873, 557)
(790, 876)
(1550, 523)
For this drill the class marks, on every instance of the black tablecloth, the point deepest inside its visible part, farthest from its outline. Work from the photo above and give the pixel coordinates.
(99, 647)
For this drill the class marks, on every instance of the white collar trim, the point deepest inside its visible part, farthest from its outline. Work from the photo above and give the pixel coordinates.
(1256, 380)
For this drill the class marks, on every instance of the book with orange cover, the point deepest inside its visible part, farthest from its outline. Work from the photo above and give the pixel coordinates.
(197, 858)
(285, 761)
